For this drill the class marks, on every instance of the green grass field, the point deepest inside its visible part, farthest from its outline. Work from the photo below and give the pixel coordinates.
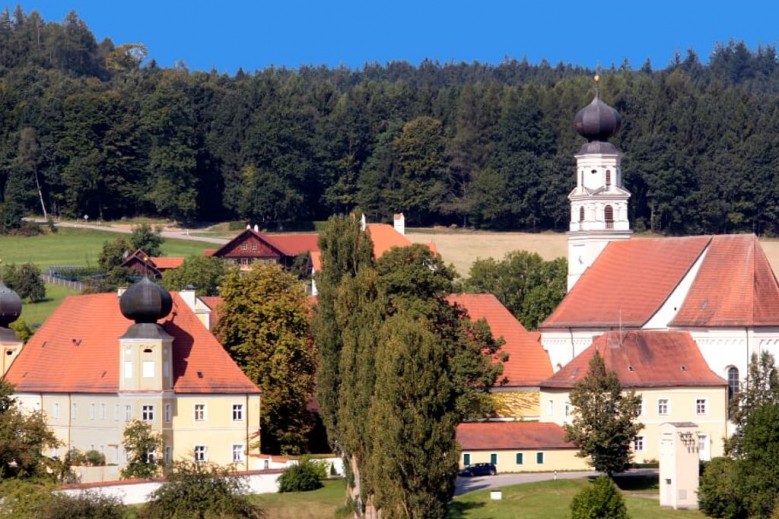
(545, 500)
(70, 247)
(551, 499)
(77, 247)
(326, 502)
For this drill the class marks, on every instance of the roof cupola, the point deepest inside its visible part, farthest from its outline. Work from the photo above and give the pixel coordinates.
(145, 302)
(597, 121)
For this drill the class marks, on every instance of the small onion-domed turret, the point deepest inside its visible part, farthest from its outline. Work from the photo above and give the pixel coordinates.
(145, 302)
(597, 121)
(10, 306)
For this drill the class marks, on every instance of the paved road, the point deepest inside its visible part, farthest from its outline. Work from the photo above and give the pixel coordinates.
(177, 235)
(465, 485)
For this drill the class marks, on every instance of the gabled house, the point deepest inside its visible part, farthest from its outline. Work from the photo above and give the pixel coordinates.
(517, 394)
(145, 265)
(100, 361)
(252, 245)
(666, 369)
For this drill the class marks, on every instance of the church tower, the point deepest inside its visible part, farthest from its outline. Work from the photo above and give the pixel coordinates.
(599, 204)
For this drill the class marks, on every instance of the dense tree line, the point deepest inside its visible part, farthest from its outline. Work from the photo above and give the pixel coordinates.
(90, 128)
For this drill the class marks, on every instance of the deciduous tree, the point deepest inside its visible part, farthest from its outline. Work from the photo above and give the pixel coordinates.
(604, 418)
(143, 448)
(204, 273)
(264, 324)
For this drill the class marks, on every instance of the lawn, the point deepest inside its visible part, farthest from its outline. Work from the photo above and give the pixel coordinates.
(551, 499)
(545, 500)
(77, 247)
(35, 314)
(327, 502)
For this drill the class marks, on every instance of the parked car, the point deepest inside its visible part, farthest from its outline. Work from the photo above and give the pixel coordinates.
(479, 469)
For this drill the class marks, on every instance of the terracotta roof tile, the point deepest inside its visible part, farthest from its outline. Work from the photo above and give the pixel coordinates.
(384, 237)
(628, 283)
(167, 262)
(77, 350)
(642, 359)
(474, 436)
(294, 244)
(528, 363)
(735, 286)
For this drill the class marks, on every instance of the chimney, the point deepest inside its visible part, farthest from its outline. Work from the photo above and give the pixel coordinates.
(362, 222)
(256, 228)
(248, 226)
(400, 223)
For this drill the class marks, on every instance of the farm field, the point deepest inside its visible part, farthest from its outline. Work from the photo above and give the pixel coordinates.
(462, 248)
(76, 247)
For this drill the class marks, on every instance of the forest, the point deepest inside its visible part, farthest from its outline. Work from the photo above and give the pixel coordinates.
(95, 128)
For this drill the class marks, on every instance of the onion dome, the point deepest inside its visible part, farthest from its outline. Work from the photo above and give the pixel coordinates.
(10, 306)
(597, 121)
(145, 302)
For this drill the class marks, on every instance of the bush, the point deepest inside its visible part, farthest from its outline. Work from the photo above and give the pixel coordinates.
(94, 458)
(600, 500)
(200, 490)
(26, 281)
(718, 493)
(86, 505)
(306, 475)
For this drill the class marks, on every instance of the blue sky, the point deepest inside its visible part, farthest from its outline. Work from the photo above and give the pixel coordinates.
(229, 34)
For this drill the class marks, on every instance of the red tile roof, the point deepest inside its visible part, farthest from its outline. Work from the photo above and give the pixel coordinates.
(77, 350)
(294, 244)
(734, 287)
(474, 436)
(384, 237)
(167, 262)
(528, 363)
(628, 283)
(642, 359)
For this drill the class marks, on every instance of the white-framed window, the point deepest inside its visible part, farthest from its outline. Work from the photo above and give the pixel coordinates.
(700, 406)
(640, 406)
(101, 412)
(168, 454)
(200, 412)
(73, 411)
(91, 411)
(148, 369)
(567, 409)
(168, 413)
(237, 412)
(550, 407)
(638, 443)
(150, 456)
(237, 452)
(117, 412)
(662, 406)
(201, 453)
(147, 413)
(128, 369)
(55, 410)
(128, 412)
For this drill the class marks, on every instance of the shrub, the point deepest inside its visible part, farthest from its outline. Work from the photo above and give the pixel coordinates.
(719, 493)
(200, 490)
(94, 458)
(86, 505)
(306, 475)
(600, 500)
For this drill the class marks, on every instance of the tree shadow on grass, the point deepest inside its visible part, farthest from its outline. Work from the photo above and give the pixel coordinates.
(458, 509)
(637, 483)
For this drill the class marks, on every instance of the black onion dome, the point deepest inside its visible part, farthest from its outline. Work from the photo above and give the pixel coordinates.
(597, 121)
(145, 302)
(10, 306)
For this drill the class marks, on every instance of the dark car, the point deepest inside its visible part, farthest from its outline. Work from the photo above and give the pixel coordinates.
(479, 469)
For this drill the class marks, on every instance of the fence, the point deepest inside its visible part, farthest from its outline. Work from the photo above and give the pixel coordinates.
(73, 285)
